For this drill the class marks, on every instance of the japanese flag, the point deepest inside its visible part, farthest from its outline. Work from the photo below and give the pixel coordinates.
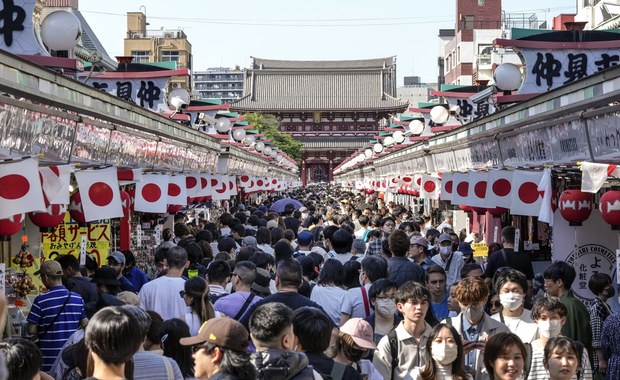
(219, 185)
(594, 176)
(20, 188)
(129, 176)
(244, 181)
(192, 184)
(101, 197)
(526, 199)
(205, 186)
(232, 185)
(55, 181)
(177, 193)
(499, 189)
(478, 182)
(152, 194)
(461, 189)
(430, 187)
(416, 184)
(447, 186)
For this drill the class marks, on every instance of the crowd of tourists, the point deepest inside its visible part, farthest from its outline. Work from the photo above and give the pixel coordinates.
(342, 287)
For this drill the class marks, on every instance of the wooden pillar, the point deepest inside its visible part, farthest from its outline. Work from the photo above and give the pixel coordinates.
(303, 172)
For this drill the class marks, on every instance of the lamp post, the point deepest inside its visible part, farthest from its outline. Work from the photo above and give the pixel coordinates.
(60, 31)
(507, 77)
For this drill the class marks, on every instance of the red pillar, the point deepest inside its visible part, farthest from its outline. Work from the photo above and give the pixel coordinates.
(331, 170)
(303, 173)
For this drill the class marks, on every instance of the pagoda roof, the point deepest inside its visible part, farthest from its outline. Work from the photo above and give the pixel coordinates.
(355, 85)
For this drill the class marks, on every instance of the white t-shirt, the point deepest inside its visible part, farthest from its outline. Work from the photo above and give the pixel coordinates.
(162, 296)
(523, 326)
(353, 303)
(330, 298)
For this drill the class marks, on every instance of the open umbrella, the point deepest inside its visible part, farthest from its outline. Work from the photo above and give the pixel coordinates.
(279, 205)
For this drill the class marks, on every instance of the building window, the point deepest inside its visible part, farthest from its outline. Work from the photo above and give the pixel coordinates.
(141, 56)
(468, 22)
(170, 55)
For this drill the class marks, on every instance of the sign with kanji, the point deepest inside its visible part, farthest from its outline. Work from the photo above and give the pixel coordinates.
(147, 93)
(480, 249)
(67, 239)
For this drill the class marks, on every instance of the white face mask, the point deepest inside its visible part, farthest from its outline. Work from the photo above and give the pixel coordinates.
(386, 307)
(550, 328)
(444, 353)
(511, 301)
(446, 251)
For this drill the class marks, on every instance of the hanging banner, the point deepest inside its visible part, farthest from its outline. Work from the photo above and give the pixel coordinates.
(589, 248)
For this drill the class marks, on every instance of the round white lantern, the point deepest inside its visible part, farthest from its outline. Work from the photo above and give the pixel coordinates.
(399, 137)
(416, 126)
(378, 148)
(222, 125)
(439, 114)
(60, 30)
(238, 134)
(507, 77)
(368, 153)
(388, 141)
(260, 146)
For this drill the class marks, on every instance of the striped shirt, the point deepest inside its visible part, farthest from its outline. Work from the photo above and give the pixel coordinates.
(44, 309)
(538, 371)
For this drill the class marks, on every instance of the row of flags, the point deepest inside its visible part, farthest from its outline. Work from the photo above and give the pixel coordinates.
(26, 187)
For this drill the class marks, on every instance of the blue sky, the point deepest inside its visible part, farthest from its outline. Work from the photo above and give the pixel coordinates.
(227, 33)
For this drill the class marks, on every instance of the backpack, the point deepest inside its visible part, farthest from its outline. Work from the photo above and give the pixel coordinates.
(337, 372)
(393, 350)
(528, 360)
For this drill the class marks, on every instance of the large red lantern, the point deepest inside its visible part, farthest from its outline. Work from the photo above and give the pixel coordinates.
(75, 208)
(610, 208)
(11, 225)
(497, 211)
(575, 206)
(52, 217)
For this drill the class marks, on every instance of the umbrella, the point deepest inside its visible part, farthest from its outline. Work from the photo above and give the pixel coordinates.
(278, 206)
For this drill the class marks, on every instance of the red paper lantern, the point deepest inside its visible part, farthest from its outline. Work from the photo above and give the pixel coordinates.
(610, 208)
(575, 206)
(11, 225)
(126, 203)
(497, 211)
(75, 208)
(51, 218)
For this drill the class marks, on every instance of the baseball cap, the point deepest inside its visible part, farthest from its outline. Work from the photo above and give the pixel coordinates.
(249, 241)
(443, 237)
(305, 238)
(272, 224)
(223, 332)
(50, 268)
(465, 248)
(118, 257)
(360, 331)
(418, 240)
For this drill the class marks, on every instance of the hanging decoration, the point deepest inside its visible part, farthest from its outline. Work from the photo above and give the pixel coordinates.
(575, 206)
(609, 205)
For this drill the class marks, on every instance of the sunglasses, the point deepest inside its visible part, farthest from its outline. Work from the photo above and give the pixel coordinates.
(494, 304)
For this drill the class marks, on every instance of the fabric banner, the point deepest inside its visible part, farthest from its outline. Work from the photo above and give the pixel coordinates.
(100, 195)
(545, 187)
(447, 186)
(55, 181)
(478, 182)
(177, 193)
(461, 188)
(525, 198)
(151, 194)
(430, 187)
(594, 176)
(499, 189)
(20, 188)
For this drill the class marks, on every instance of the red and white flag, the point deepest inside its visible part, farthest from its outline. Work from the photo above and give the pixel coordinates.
(219, 184)
(20, 188)
(232, 185)
(129, 176)
(447, 186)
(244, 181)
(416, 184)
(499, 189)
(55, 181)
(594, 176)
(461, 188)
(177, 193)
(192, 184)
(526, 199)
(430, 187)
(205, 186)
(152, 194)
(477, 189)
(545, 187)
(101, 197)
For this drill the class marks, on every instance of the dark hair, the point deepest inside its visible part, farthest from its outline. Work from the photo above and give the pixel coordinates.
(561, 343)
(469, 267)
(197, 288)
(598, 283)
(152, 335)
(180, 230)
(560, 270)
(246, 270)
(91, 264)
(435, 269)
(239, 229)
(413, 226)
(167, 234)
(226, 219)
(114, 335)
(242, 216)
(399, 243)
(289, 234)
(177, 257)
(382, 285)
(331, 273)
(510, 275)
(68, 261)
(170, 333)
(508, 234)
(498, 345)
(429, 372)
(341, 241)
(351, 270)
(269, 321)
(23, 358)
(277, 234)
(226, 244)
(261, 259)
(375, 267)
(263, 236)
(328, 232)
(194, 252)
(549, 304)
(385, 247)
(218, 271)
(387, 219)
(289, 273)
(363, 220)
(236, 363)
(313, 329)
(412, 290)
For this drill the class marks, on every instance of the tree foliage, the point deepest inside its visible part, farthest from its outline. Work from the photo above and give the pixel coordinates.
(268, 125)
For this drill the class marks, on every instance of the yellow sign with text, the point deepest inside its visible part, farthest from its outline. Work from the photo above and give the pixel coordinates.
(480, 249)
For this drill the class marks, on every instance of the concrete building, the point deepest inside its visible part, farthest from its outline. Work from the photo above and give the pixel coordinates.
(599, 14)
(162, 45)
(219, 83)
(414, 91)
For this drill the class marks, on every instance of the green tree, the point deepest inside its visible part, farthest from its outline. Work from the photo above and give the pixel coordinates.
(268, 125)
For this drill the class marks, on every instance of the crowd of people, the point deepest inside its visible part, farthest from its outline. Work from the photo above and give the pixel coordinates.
(345, 287)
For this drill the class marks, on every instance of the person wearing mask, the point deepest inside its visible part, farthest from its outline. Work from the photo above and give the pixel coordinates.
(357, 303)
(473, 325)
(354, 343)
(562, 359)
(403, 348)
(451, 262)
(383, 318)
(511, 286)
(550, 314)
(600, 285)
(445, 349)
(504, 357)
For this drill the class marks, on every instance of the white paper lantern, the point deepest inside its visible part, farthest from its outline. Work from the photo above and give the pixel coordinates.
(222, 125)
(388, 141)
(248, 140)
(267, 150)
(260, 146)
(378, 148)
(399, 137)
(238, 134)
(178, 97)
(368, 153)
(507, 77)
(60, 30)
(416, 126)
(439, 114)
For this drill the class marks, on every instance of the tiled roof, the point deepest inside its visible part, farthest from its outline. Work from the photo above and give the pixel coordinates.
(272, 85)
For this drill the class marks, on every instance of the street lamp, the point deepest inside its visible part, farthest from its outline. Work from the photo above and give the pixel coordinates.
(378, 148)
(507, 77)
(222, 125)
(439, 114)
(416, 126)
(60, 31)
